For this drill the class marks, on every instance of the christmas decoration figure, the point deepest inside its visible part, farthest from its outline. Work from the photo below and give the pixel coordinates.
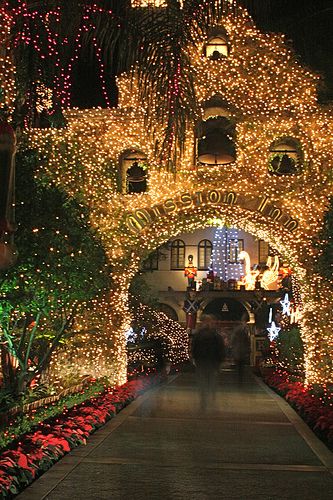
(191, 308)
(251, 275)
(284, 278)
(190, 272)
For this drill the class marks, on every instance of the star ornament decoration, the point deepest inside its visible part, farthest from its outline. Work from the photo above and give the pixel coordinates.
(285, 303)
(273, 331)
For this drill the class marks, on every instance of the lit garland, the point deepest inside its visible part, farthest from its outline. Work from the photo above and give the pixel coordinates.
(172, 335)
(274, 97)
(7, 73)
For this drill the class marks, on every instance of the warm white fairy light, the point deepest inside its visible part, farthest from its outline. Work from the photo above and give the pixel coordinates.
(151, 3)
(44, 97)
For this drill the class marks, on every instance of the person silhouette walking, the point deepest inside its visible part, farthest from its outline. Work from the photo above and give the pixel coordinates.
(207, 353)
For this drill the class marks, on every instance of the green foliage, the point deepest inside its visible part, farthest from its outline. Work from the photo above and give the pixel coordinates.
(6, 400)
(290, 350)
(324, 245)
(141, 291)
(61, 265)
(23, 423)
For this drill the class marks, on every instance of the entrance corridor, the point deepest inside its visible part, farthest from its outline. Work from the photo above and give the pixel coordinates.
(250, 445)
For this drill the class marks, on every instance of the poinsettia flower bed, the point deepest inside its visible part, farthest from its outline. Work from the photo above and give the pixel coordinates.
(39, 450)
(27, 420)
(316, 410)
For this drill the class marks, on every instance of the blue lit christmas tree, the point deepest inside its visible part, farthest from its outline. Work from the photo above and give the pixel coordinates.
(224, 260)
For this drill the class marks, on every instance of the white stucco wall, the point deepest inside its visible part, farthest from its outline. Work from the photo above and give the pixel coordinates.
(164, 277)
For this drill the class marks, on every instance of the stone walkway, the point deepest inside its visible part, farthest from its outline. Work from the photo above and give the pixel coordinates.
(252, 445)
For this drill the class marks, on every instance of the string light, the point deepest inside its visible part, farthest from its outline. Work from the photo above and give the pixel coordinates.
(7, 74)
(219, 254)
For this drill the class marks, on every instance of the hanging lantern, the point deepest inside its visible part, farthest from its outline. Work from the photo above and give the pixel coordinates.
(7, 154)
(134, 172)
(216, 148)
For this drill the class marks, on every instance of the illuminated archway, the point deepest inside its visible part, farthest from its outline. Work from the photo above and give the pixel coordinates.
(153, 228)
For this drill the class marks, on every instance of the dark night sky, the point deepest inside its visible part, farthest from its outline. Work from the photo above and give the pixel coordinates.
(307, 23)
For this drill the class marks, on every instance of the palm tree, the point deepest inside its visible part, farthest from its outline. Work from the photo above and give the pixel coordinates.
(154, 41)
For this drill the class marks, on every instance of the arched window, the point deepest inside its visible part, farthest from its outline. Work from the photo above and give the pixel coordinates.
(134, 172)
(285, 157)
(205, 248)
(177, 254)
(217, 47)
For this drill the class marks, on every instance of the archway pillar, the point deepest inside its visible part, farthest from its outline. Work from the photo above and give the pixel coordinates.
(317, 332)
(120, 315)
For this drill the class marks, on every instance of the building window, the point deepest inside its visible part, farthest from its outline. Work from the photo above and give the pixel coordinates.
(285, 157)
(235, 247)
(177, 254)
(134, 172)
(263, 251)
(151, 262)
(217, 48)
(205, 248)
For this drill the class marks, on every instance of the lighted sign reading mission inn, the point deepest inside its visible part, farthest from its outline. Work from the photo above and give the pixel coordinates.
(140, 218)
(259, 158)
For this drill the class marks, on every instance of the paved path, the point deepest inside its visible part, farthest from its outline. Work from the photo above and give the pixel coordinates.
(251, 446)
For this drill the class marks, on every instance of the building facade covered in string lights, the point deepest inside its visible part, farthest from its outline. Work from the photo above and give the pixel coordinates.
(258, 159)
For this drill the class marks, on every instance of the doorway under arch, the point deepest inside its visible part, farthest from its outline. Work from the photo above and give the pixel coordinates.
(226, 309)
